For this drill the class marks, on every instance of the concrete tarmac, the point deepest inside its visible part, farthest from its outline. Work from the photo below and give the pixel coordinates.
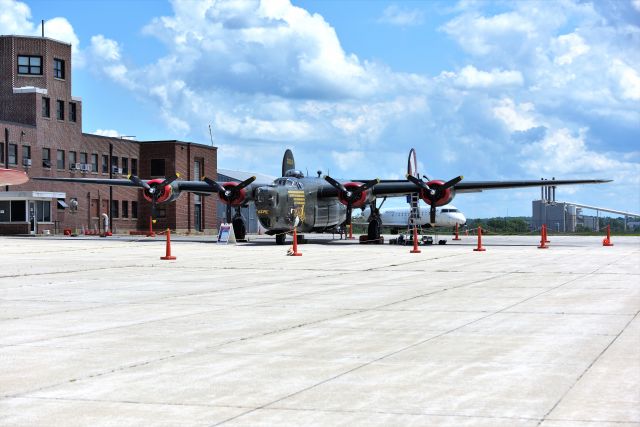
(101, 332)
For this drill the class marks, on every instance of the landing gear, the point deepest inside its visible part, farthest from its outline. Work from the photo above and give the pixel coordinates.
(373, 232)
(375, 225)
(239, 227)
(280, 238)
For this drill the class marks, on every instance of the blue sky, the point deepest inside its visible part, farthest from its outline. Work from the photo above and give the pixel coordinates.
(488, 90)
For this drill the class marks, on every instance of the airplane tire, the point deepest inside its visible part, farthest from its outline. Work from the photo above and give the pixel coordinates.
(280, 239)
(239, 228)
(373, 232)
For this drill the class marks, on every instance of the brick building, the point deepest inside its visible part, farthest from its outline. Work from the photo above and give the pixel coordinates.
(41, 133)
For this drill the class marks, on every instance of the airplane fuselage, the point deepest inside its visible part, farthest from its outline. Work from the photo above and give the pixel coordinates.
(279, 204)
(446, 216)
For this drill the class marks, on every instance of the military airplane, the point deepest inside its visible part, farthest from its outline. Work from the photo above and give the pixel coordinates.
(317, 204)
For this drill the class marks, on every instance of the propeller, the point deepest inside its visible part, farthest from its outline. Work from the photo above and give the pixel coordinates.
(230, 193)
(433, 192)
(352, 194)
(155, 190)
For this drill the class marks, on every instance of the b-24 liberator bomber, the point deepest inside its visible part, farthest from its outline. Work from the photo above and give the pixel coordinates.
(315, 204)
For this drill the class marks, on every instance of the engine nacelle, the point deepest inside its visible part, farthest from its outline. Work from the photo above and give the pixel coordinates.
(167, 193)
(238, 199)
(446, 197)
(354, 186)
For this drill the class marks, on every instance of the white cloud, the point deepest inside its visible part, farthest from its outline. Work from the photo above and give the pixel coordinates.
(396, 15)
(15, 19)
(562, 152)
(568, 47)
(269, 74)
(517, 118)
(107, 132)
(347, 160)
(471, 78)
(482, 35)
(636, 4)
(104, 48)
(628, 80)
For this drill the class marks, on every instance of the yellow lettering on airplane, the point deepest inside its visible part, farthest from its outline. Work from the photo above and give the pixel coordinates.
(263, 212)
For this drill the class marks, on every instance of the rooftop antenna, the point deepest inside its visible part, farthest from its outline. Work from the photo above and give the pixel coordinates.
(210, 135)
(42, 25)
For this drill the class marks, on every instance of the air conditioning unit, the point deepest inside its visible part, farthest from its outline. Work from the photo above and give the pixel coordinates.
(116, 170)
(75, 166)
(26, 162)
(46, 163)
(85, 167)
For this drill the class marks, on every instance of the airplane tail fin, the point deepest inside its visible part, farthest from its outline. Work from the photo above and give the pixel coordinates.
(287, 162)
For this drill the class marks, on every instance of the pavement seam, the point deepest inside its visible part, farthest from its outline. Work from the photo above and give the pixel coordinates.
(586, 370)
(394, 353)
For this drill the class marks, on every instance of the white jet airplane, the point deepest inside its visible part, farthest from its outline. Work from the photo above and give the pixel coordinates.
(446, 216)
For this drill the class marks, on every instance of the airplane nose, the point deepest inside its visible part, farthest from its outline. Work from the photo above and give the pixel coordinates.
(265, 198)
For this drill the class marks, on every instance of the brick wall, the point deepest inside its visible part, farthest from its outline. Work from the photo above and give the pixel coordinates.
(21, 115)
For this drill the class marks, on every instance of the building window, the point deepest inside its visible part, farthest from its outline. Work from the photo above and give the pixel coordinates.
(60, 110)
(46, 107)
(114, 164)
(13, 154)
(83, 158)
(30, 65)
(125, 209)
(58, 68)
(1, 152)
(157, 167)
(73, 158)
(134, 209)
(46, 158)
(44, 210)
(26, 155)
(105, 163)
(125, 166)
(114, 209)
(134, 166)
(18, 210)
(94, 163)
(5, 211)
(72, 112)
(60, 159)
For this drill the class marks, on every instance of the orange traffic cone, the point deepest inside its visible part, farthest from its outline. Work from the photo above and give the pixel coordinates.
(457, 237)
(168, 256)
(607, 240)
(415, 249)
(295, 244)
(479, 248)
(543, 237)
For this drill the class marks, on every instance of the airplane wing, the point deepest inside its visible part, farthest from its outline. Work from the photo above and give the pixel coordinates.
(401, 187)
(178, 185)
(115, 182)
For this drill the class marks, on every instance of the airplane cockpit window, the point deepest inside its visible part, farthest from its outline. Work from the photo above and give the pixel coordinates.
(294, 173)
(288, 182)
